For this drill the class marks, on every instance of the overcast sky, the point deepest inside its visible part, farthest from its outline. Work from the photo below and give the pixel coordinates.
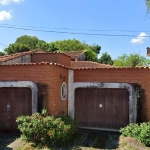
(76, 16)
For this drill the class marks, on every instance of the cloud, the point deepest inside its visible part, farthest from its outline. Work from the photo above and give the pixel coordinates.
(6, 2)
(139, 39)
(4, 15)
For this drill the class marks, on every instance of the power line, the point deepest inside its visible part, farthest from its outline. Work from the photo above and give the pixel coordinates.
(3, 44)
(93, 30)
(65, 32)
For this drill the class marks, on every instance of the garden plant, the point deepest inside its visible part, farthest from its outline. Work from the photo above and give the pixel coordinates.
(139, 131)
(45, 130)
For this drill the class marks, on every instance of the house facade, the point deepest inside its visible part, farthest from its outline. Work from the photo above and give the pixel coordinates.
(98, 96)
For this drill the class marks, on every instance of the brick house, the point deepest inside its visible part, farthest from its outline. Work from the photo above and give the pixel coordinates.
(98, 96)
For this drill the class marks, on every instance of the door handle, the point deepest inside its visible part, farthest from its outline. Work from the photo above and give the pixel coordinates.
(100, 105)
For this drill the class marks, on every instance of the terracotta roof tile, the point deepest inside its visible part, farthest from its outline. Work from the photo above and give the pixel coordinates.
(44, 52)
(113, 67)
(12, 56)
(73, 53)
(72, 68)
(88, 64)
(41, 63)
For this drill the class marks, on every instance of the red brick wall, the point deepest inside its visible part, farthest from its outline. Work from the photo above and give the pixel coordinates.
(140, 76)
(48, 75)
(51, 57)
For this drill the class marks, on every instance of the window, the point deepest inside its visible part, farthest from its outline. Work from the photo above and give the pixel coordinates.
(63, 91)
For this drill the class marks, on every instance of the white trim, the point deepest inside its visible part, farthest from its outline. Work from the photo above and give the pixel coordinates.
(65, 90)
(70, 93)
(132, 98)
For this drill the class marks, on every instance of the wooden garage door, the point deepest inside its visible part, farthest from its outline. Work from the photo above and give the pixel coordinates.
(14, 102)
(102, 108)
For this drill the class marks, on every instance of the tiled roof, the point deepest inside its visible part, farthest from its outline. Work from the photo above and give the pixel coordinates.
(68, 53)
(73, 68)
(101, 68)
(77, 65)
(85, 65)
(88, 64)
(12, 56)
(41, 63)
(44, 52)
(73, 53)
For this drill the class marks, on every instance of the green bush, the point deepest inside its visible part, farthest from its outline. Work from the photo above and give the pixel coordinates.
(46, 130)
(140, 132)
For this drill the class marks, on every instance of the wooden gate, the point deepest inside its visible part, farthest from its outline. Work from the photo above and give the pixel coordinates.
(102, 108)
(14, 102)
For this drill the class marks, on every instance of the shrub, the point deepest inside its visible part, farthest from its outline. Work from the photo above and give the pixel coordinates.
(69, 121)
(46, 130)
(140, 132)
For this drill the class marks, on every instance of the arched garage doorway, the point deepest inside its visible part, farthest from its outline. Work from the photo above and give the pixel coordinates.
(102, 108)
(16, 98)
(126, 88)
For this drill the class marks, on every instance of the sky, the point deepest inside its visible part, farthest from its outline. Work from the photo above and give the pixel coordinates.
(100, 21)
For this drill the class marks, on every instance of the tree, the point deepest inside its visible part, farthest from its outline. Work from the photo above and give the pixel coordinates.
(96, 48)
(67, 45)
(73, 45)
(16, 48)
(42, 45)
(91, 55)
(52, 47)
(131, 60)
(148, 4)
(30, 41)
(2, 54)
(91, 51)
(106, 59)
(26, 43)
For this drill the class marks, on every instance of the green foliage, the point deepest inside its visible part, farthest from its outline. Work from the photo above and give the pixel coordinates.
(45, 130)
(106, 59)
(16, 48)
(140, 132)
(131, 130)
(42, 45)
(67, 45)
(75, 45)
(26, 43)
(148, 5)
(2, 53)
(96, 48)
(30, 41)
(91, 55)
(53, 47)
(69, 121)
(131, 60)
